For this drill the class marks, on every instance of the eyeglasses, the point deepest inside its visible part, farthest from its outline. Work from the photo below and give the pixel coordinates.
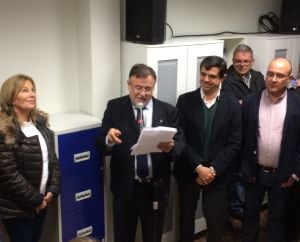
(241, 62)
(278, 76)
(139, 89)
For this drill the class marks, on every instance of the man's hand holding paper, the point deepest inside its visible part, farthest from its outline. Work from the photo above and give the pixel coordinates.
(166, 146)
(156, 139)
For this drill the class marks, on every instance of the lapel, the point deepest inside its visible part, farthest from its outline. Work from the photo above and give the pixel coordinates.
(197, 113)
(157, 115)
(256, 104)
(129, 115)
(288, 117)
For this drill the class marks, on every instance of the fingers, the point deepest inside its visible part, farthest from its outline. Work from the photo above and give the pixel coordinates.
(252, 180)
(204, 182)
(41, 206)
(166, 146)
(45, 202)
(113, 136)
(48, 197)
(199, 181)
(205, 175)
(288, 183)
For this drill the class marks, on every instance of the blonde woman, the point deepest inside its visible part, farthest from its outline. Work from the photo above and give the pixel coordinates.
(29, 169)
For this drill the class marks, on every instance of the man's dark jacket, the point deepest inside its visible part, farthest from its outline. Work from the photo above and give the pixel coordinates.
(289, 159)
(119, 114)
(224, 142)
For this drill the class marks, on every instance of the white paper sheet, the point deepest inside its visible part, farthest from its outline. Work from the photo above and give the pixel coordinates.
(150, 138)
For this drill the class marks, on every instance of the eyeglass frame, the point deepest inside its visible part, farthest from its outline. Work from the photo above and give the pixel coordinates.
(139, 89)
(241, 62)
(279, 76)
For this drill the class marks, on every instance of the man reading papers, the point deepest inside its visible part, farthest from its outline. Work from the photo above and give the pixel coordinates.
(133, 193)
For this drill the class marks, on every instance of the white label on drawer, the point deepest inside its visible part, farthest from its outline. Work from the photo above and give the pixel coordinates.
(85, 231)
(82, 156)
(83, 195)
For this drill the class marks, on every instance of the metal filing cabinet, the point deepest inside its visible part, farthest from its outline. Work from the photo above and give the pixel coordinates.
(80, 208)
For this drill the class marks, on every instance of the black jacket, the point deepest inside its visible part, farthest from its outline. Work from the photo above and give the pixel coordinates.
(236, 86)
(289, 159)
(224, 142)
(21, 168)
(119, 114)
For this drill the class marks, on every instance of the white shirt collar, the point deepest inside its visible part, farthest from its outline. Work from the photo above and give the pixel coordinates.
(211, 102)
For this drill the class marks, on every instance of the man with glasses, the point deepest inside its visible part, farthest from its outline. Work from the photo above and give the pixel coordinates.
(211, 121)
(270, 154)
(134, 188)
(241, 81)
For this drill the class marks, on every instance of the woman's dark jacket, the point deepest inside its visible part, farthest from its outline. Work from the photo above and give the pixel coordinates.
(21, 165)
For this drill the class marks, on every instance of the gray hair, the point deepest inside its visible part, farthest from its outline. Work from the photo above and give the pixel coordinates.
(243, 48)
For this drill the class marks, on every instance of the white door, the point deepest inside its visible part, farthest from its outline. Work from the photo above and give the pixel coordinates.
(196, 53)
(170, 65)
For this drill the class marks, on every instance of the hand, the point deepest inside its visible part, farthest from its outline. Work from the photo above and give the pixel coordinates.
(113, 136)
(41, 206)
(252, 179)
(205, 175)
(166, 146)
(288, 183)
(48, 197)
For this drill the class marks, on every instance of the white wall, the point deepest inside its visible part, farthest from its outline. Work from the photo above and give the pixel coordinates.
(71, 48)
(98, 54)
(38, 38)
(212, 16)
(106, 51)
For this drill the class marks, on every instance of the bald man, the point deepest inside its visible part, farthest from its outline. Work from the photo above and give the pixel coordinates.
(270, 151)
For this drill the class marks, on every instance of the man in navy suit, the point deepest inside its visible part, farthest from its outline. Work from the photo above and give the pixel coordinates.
(133, 194)
(211, 121)
(270, 151)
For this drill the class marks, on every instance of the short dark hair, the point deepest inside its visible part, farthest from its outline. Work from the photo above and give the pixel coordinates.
(214, 61)
(142, 70)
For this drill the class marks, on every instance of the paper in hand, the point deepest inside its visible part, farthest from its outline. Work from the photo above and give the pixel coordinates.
(150, 138)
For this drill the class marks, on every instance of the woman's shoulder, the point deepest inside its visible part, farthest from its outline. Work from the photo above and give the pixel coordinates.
(41, 118)
(7, 128)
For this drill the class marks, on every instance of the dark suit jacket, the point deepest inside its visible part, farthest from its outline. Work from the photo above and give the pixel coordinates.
(289, 160)
(119, 114)
(224, 141)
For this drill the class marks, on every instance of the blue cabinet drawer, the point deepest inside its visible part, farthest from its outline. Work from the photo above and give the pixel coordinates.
(77, 151)
(81, 199)
(86, 221)
(81, 190)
